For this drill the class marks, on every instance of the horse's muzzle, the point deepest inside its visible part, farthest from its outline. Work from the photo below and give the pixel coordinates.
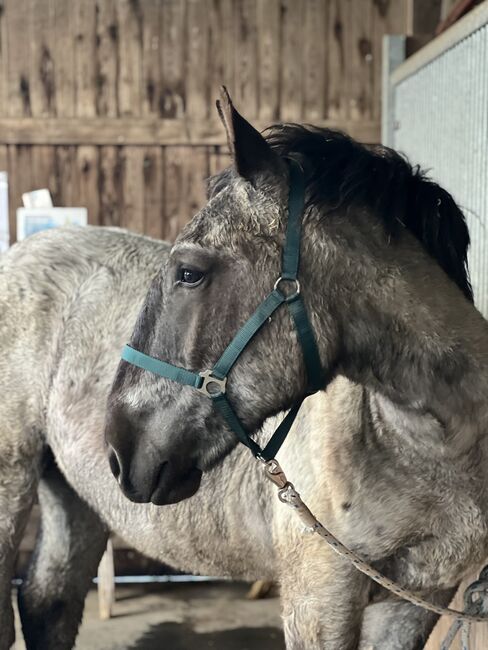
(147, 473)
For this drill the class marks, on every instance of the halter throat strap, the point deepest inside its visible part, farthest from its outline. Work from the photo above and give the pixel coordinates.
(213, 383)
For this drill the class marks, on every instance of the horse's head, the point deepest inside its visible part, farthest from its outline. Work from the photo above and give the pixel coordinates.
(162, 435)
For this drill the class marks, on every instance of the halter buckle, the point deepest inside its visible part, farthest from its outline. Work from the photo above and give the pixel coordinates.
(212, 386)
(294, 294)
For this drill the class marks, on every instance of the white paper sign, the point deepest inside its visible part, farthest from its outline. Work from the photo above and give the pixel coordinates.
(37, 199)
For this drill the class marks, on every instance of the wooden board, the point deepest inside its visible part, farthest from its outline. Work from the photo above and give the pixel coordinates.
(269, 46)
(63, 56)
(185, 172)
(110, 186)
(338, 51)
(151, 57)
(130, 31)
(111, 104)
(154, 182)
(145, 131)
(107, 46)
(85, 29)
(315, 61)
(86, 171)
(291, 65)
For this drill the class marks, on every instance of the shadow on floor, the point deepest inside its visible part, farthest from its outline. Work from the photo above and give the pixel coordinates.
(179, 636)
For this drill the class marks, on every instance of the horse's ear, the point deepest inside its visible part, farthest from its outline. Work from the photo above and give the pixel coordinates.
(250, 152)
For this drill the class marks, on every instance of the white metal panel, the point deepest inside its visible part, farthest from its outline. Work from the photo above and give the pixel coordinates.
(441, 122)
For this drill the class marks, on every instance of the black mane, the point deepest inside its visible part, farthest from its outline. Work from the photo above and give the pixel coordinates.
(343, 173)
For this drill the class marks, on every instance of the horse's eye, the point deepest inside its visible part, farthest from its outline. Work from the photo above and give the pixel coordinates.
(190, 276)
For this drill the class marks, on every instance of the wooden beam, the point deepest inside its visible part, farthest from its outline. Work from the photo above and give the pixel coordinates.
(144, 131)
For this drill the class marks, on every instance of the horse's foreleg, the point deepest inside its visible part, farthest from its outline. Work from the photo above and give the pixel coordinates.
(323, 597)
(69, 547)
(18, 481)
(398, 625)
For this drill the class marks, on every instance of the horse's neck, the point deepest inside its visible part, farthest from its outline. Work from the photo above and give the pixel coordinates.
(399, 429)
(425, 359)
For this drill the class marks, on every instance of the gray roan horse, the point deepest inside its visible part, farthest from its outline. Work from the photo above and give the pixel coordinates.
(391, 455)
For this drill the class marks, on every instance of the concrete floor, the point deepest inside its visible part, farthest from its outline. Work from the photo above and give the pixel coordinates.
(181, 617)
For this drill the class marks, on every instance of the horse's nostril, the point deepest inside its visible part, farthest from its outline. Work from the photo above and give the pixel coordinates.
(114, 463)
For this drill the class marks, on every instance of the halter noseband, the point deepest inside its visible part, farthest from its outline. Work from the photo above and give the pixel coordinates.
(212, 383)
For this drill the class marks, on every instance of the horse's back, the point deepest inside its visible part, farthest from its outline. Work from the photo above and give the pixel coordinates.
(51, 281)
(96, 281)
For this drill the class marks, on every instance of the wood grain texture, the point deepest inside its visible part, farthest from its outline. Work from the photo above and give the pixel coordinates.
(3, 158)
(245, 90)
(4, 68)
(85, 25)
(41, 59)
(62, 48)
(132, 210)
(221, 25)
(110, 103)
(20, 181)
(130, 22)
(67, 178)
(338, 39)
(44, 169)
(87, 172)
(107, 67)
(185, 170)
(291, 68)
(359, 63)
(198, 50)
(269, 46)
(315, 61)
(19, 32)
(173, 52)
(151, 57)
(146, 131)
(154, 182)
(110, 186)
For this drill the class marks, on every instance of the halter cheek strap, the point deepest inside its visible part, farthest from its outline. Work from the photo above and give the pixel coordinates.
(212, 383)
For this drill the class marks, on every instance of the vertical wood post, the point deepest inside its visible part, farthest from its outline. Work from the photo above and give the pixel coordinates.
(106, 583)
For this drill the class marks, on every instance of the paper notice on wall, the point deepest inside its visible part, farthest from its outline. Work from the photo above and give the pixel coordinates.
(37, 199)
(32, 220)
(4, 228)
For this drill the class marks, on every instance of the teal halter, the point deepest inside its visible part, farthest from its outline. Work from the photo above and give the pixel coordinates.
(212, 383)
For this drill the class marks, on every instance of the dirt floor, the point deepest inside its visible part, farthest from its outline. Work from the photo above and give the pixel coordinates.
(181, 617)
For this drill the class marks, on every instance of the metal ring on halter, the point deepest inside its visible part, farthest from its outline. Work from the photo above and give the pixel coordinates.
(293, 295)
(212, 386)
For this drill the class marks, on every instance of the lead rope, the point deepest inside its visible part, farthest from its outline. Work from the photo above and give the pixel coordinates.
(475, 596)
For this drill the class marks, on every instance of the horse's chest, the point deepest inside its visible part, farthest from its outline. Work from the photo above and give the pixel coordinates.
(422, 548)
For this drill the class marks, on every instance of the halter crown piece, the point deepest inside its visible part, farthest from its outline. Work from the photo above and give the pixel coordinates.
(212, 383)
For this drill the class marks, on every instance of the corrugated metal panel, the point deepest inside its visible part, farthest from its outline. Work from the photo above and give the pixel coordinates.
(441, 122)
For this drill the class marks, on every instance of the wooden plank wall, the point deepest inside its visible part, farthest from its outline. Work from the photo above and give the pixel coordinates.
(110, 103)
